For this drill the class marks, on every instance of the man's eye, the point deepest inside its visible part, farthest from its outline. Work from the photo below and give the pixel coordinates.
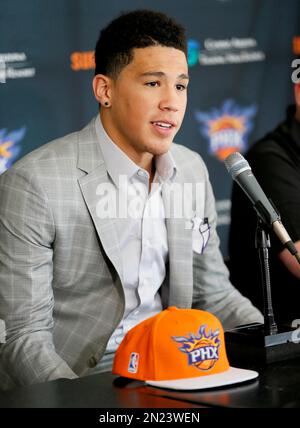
(180, 87)
(152, 84)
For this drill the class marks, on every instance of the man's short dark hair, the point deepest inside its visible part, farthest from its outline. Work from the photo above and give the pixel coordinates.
(137, 29)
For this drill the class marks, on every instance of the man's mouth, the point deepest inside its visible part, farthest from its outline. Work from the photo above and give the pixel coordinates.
(163, 124)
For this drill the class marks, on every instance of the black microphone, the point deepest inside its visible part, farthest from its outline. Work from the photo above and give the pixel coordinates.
(241, 172)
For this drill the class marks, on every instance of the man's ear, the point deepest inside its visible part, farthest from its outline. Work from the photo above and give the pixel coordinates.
(102, 89)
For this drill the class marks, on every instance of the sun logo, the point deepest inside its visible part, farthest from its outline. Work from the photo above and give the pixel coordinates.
(202, 350)
(226, 129)
(9, 147)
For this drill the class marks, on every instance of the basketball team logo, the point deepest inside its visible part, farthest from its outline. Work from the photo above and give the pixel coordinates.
(9, 147)
(227, 128)
(202, 350)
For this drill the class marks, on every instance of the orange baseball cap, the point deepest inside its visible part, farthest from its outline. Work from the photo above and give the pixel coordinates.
(178, 349)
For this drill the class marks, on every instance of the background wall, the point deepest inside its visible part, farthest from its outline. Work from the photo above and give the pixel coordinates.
(240, 54)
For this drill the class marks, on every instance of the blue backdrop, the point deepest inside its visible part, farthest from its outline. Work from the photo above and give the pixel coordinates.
(240, 54)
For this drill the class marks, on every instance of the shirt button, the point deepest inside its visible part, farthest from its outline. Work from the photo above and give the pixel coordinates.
(141, 173)
(136, 312)
(92, 362)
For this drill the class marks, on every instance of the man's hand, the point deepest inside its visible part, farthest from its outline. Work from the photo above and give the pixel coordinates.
(290, 261)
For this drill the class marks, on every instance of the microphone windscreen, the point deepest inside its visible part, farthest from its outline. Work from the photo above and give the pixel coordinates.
(235, 164)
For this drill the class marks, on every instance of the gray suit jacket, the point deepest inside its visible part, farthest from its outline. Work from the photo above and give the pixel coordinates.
(61, 293)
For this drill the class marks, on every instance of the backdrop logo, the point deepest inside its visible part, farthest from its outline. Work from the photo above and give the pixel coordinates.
(2, 71)
(296, 45)
(15, 65)
(226, 129)
(193, 52)
(9, 147)
(234, 50)
(202, 350)
(84, 60)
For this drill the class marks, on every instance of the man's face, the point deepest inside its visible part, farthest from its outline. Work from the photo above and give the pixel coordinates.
(148, 101)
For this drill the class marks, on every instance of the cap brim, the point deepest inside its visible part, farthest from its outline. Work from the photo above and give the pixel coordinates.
(231, 376)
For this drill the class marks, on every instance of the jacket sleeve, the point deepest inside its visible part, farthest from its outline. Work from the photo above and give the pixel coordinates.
(27, 233)
(213, 290)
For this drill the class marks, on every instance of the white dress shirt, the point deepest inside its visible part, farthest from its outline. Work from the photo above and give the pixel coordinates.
(142, 234)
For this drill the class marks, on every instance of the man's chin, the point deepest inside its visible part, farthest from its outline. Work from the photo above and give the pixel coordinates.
(160, 149)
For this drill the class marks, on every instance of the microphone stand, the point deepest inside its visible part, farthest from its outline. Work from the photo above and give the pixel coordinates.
(261, 343)
(262, 244)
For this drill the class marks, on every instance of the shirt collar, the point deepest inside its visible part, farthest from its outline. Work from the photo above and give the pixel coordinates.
(118, 163)
(165, 167)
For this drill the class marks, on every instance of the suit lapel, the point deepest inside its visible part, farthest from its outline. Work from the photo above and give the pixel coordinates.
(180, 248)
(91, 161)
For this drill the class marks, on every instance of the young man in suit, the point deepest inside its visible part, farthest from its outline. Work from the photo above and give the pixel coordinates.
(82, 260)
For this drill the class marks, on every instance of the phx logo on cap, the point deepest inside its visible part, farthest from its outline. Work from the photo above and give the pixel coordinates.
(202, 350)
(150, 352)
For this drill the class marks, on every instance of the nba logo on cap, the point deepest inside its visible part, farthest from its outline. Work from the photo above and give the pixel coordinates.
(133, 363)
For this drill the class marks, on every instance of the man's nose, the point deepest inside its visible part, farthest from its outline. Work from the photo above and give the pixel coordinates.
(169, 100)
